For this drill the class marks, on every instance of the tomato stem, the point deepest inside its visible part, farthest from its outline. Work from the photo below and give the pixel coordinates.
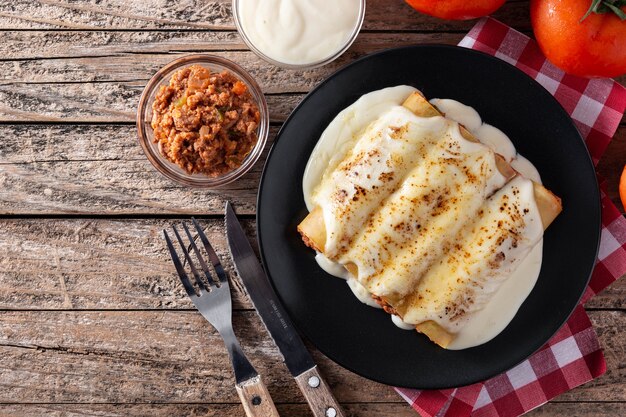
(606, 6)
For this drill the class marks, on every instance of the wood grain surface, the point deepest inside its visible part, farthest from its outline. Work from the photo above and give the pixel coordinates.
(93, 320)
(177, 357)
(318, 394)
(256, 399)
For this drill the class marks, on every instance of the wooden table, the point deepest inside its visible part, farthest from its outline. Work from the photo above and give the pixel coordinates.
(93, 320)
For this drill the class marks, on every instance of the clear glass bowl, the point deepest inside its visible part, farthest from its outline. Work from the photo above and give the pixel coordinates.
(146, 134)
(340, 51)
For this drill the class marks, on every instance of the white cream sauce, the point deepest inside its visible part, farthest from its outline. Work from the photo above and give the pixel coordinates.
(340, 137)
(298, 32)
(468, 117)
(333, 268)
(361, 293)
(343, 131)
(487, 323)
(398, 322)
(488, 251)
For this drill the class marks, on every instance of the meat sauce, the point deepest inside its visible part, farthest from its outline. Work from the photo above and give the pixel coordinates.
(205, 122)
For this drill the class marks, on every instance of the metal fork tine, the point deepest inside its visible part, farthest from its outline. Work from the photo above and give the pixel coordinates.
(189, 260)
(214, 303)
(179, 267)
(212, 255)
(205, 267)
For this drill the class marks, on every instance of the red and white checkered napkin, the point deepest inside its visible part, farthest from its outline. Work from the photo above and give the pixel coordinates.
(573, 356)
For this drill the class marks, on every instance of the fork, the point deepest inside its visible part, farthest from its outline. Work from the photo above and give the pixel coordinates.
(213, 301)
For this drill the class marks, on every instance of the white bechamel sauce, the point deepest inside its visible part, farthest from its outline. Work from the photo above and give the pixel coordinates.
(487, 323)
(340, 137)
(526, 168)
(396, 162)
(508, 224)
(337, 270)
(458, 112)
(298, 32)
(333, 268)
(344, 130)
(496, 140)
(361, 293)
(398, 322)
(468, 117)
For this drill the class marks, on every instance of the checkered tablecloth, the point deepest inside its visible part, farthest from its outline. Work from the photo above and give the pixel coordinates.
(573, 356)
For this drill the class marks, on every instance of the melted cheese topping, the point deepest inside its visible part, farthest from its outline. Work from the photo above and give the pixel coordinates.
(429, 207)
(395, 170)
(483, 254)
(401, 194)
(342, 133)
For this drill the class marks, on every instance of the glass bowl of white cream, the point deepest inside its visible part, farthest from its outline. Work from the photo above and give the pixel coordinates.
(298, 34)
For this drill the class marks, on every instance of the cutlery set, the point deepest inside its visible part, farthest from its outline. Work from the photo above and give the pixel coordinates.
(211, 296)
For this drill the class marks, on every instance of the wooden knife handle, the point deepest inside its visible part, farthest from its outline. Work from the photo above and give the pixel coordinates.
(318, 394)
(256, 399)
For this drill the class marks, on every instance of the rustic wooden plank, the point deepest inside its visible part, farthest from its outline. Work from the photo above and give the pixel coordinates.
(598, 409)
(130, 67)
(108, 102)
(119, 264)
(118, 14)
(22, 45)
(99, 264)
(579, 410)
(82, 169)
(25, 144)
(176, 357)
(146, 357)
(112, 187)
(213, 15)
(196, 410)
(100, 169)
(50, 44)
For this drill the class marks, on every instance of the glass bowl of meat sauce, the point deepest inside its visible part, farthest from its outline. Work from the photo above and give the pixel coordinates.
(298, 34)
(202, 121)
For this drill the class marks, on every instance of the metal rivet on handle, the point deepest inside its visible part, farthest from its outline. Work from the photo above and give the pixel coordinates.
(331, 412)
(314, 382)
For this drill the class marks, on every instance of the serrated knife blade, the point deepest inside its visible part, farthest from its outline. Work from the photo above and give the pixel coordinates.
(277, 322)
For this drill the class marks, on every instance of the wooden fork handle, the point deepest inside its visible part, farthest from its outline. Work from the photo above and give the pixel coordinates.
(317, 393)
(255, 398)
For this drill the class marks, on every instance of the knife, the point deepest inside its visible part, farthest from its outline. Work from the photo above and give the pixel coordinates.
(274, 317)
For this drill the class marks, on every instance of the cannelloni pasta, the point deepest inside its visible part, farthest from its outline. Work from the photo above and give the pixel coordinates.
(426, 218)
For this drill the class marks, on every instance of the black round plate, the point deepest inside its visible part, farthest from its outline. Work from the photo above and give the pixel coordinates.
(363, 339)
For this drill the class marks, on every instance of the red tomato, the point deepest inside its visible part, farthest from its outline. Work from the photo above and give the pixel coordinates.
(595, 47)
(456, 9)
